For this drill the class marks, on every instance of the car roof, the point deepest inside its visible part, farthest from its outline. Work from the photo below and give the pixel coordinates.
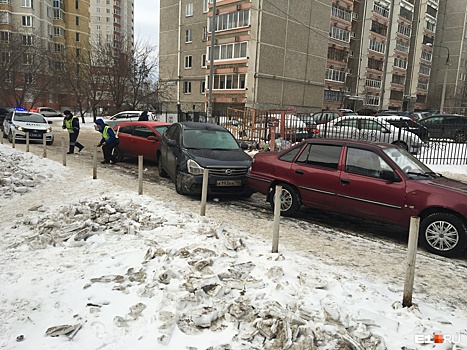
(349, 142)
(393, 117)
(201, 126)
(26, 113)
(144, 123)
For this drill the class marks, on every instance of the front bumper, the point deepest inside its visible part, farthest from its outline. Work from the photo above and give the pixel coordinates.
(193, 184)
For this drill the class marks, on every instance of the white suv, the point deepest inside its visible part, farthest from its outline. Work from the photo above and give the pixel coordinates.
(18, 123)
(47, 112)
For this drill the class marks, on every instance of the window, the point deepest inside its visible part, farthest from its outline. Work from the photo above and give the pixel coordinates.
(28, 40)
(426, 56)
(339, 34)
(5, 36)
(422, 84)
(324, 156)
(26, 21)
(341, 12)
(398, 79)
(77, 4)
(375, 64)
(372, 100)
(58, 14)
(406, 13)
(426, 70)
(202, 87)
(333, 95)
(430, 26)
(377, 46)
(59, 48)
(379, 28)
(187, 87)
(29, 78)
(404, 30)
(431, 11)
(5, 17)
(77, 20)
(229, 51)
(203, 61)
(77, 36)
(6, 56)
(4, 1)
(188, 36)
(381, 10)
(229, 82)
(335, 75)
(58, 32)
(364, 162)
(401, 45)
(204, 35)
(337, 54)
(188, 61)
(231, 20)
(289, 156)
(78, 52)
(26, 3)
(28, 59)
(205, 6)
(189, 9)
(399, 62)
(371, 82)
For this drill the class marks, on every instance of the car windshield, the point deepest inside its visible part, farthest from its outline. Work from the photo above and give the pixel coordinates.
(209, 139)
(161, 129)
(31, 118)
(409, 164)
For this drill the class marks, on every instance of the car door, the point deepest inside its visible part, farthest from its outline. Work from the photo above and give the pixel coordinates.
(363, 192)
(434, 125)
(315, 173)
(141, 145)
(170, 148)
(125, 136)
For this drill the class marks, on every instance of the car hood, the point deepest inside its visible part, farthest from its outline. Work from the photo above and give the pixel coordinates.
(451, 184)
(30, 125)
(209, 158)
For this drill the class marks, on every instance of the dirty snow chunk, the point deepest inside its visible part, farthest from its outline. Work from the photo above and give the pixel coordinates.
(55, 331)
(204, 316)
(21, 189)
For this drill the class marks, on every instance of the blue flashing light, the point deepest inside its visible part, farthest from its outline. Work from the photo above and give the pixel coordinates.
(20, 109)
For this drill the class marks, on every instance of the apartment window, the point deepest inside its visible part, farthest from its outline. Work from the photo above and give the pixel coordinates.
(205, 6)
(339, 34)
(77, 20)
(332, 95)
(379, 28)
(188, 61)
(98, 18)
(229, 51)
(381, 10)
(232, 20)
(26, 3)
(375, 64)
(372, 100)
(335, 75)
(4, 1)
(58, 32)
(202, 87)
(77, 4)
(98, 27)
(426, 56)
(5, 17)
(203, 61)
(77, 36)
(402, 45)
(5, 36)
(107, 10)
(187, 87)
(28, 59)
(78, 52)
(107, 19)
(98, 2)
(28, 40)
(422, 84)
(98, 10)
(404, 30)
(430, 26)
(371, 82)
(398, 79)
(462, 76)
(229, 82)
(26, 21)
(431, 11)
(405, 13)
(59, 48)
(8, 77)
(188, 36)
(6, 56)
(204, 35)
(427, 40)
(29, 78)
(189, 9)
(426, 70)
(58, 14)
(398, 62)
(337, 55)
(341, 12)
(377, 46)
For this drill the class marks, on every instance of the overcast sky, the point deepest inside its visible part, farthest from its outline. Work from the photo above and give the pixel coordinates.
(147, 21)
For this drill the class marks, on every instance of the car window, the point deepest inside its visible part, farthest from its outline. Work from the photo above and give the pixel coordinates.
(142, 131)
(161, 129)
(209, 139)
(290, 155)
(352, 123)
(126, 130)
(326, 156)
(371, 125)
(172, 133)
(364, 162)
(33, 118)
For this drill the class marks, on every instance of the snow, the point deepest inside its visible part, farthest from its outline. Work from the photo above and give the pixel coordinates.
(110, 269)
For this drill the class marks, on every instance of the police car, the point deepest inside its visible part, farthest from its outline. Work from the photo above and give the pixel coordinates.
(19, 122)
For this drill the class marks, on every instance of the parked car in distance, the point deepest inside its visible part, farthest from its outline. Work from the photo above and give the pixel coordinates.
(367, 111)
(326, 116)
(3, 113)
(139, 138)
(125, 116)
(310, 125)
(446, 126)
(18, 123)
(375, 181)
(346, 111)
(390, 112)
(47, 112)
(187, 148)
(408, 124)
(369, 129)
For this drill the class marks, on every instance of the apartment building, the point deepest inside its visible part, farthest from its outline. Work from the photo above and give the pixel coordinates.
(268, 54)
(449, 70)
(390, 54)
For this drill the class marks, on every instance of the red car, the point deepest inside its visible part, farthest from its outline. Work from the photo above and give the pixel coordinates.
(377, 181)
(139, 138)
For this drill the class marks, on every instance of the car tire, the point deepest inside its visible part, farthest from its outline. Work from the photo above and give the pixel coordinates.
(460, 137)
(443, 234)
(179, 182)
(117, 154)
(162, 172)
(10, 137)
(290, 201)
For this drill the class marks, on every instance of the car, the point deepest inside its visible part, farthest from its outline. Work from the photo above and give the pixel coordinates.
(446, 126)
(367, 111)
(187, 148)
(326, 116)
(310, 125)
(374, 181)
(125, 116)
(47, 112)
(18, 122)
(407, 123)
(3, 113)
(392, 112)
(139, 138)
(370, 129)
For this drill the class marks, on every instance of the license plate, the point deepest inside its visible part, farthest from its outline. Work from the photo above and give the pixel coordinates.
(229, 182)
(35, 135)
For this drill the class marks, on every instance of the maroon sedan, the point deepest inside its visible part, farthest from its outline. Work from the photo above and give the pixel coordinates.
(139, 138)
(377, 181)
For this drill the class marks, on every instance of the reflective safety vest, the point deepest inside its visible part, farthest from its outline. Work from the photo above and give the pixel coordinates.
(105, 133)
(69, 124)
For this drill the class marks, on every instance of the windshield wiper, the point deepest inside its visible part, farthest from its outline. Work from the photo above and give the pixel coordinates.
(426, 174)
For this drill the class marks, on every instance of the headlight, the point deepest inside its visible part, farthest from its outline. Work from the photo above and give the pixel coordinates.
(20, 128)
(193, 167)
(48, 130)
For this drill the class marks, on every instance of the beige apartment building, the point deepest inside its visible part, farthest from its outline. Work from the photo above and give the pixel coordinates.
(449, 72)
(267, 54)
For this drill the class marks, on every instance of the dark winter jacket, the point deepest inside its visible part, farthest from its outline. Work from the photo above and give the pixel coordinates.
(143, 116)
(74, 124)
(106, 130)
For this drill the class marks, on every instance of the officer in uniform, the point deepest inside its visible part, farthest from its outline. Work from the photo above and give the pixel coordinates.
(71, 123)
(108, 142)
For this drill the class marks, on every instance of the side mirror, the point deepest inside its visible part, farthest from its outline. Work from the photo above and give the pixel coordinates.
(389, 175)
(171, 142)
(49, 121)
(153, 138)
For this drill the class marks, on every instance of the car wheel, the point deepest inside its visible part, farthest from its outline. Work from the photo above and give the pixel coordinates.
(179, 182)
(4, 133)
(401, 144)
(443, 234)
(460, 137)
(10, 137)
(290, 201)
(117, 154)
(162, 172)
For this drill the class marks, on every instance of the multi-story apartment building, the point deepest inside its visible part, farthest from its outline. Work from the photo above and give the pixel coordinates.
(267, 54)
(390, 54)
(449, 71)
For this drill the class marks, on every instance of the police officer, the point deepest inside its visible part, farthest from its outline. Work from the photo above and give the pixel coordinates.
(71, 123)
(108, 142)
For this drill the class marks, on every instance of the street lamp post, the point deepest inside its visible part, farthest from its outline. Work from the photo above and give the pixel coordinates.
(445, 79)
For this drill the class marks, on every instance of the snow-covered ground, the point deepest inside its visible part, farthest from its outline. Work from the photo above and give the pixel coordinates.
(89, 264)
